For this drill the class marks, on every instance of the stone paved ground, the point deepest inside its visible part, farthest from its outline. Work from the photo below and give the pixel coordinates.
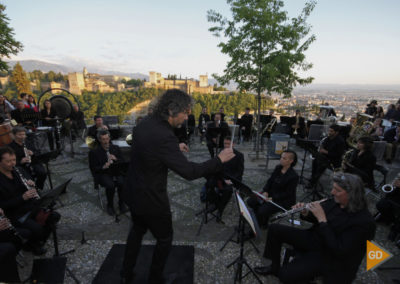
(81, 212)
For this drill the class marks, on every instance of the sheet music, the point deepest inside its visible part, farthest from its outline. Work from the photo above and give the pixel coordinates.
(245, 213)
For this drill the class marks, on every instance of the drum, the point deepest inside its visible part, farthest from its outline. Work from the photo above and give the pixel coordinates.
(5, 134)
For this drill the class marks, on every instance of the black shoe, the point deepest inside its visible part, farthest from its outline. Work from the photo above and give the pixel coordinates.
(110, 210)
(36, 250)
(265, 270)
(123, 208)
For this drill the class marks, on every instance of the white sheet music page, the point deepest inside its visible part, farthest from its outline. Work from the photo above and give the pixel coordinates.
(245, 213)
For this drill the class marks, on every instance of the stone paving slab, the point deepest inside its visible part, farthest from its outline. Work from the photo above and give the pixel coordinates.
(82, 213)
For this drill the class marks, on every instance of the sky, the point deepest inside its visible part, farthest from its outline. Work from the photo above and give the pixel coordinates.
(358, 41)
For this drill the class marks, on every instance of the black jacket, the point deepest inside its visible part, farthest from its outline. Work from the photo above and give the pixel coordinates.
(282, 187)
(98, 157)
(343, 240)
(155, 150)
(11, 201)
(335, 148)
(363, 166)
(44, 114)
(390, 135)
(205, 117)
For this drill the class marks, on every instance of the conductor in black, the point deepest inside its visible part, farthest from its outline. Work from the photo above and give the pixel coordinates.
(155, 150)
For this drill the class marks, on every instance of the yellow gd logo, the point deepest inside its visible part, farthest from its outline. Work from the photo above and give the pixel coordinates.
(376, 255)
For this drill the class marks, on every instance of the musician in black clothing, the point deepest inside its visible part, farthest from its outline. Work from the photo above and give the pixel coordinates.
(191, 124)
(204, 118)
(155, 150)
(336, 244)
(280, 188)
(17, 201)
(371, 108)
(215, 134)
(246, 122)
(48, 115)
(361, 161)
(9, 246)
(98, 125)
(329, 155)
(221, 112)
(25, 160)
(389, 208)
(21, 115)
(102, 160)
(219, 187)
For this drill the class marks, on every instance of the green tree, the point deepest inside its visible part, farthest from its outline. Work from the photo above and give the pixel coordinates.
(20, 80)
(266, 47)
(8, 45)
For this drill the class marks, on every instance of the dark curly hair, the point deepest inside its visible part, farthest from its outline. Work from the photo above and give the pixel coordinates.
(171, 103)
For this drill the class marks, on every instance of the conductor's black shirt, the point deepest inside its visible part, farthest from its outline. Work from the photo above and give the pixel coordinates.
(155, 150)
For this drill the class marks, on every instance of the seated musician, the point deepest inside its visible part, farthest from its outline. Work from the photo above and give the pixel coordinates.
(5, 109)
(98, 125)
(10, 244)
(204, 118)
(246, 122)
(215, 134)
(361, 161)
(389, 208)
(329, 155)
(221, 112)
(17, 198)
(219, 187)
(22, 115)
(371, 108)
(392, 137)
(48, 115)
(102, 162)
(24, 157)
(280, 188)
(334, 246)
(298, 125)
(377, 129)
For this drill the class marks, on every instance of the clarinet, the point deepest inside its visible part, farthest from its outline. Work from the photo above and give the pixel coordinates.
(25, 182)
(14, 231)
(296, 210)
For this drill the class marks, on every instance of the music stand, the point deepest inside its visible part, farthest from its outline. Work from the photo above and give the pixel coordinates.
(45, 159)
(47, 200)
(235, 236)
(245, 216)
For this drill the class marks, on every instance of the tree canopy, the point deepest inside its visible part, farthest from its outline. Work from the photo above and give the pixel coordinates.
(8, 45)
(265, 47)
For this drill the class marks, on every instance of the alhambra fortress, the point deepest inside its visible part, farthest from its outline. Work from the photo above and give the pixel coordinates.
(93, 82)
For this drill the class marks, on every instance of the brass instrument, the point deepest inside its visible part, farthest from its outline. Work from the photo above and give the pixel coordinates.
(387, 188)
(296, 210)
(346, 160)
(128, 139)
(91, 142)
(270, 125)
(362, 128)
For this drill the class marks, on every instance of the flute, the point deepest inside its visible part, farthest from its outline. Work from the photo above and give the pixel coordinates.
(296, 210)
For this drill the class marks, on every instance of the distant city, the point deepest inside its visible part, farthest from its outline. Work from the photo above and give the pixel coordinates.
(346, 99)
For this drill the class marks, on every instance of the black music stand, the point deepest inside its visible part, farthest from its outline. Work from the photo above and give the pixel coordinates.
(236, 234)
(45, 159)
(47, 200)
(244, 216)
